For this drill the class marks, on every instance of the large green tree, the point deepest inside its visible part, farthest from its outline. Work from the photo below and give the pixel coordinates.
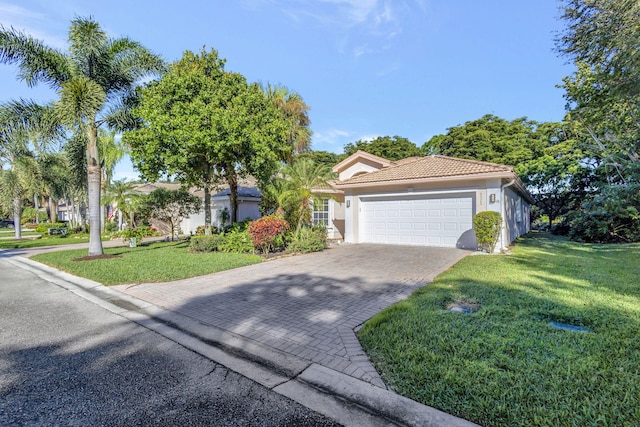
(206, 126)
(388, 147)
(95, 81)
(490, 139)
(602, 38)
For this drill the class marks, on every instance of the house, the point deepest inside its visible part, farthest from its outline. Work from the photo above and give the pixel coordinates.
(249, 198)
(426, 201)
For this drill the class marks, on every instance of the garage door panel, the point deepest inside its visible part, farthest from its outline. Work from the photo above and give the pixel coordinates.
(426, 221)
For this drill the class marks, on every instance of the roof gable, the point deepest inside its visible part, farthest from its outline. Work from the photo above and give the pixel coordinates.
(430, 167)
(364, 157)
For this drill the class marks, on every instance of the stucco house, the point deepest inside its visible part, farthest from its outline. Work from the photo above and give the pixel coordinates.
(249, 198)
(427, 201)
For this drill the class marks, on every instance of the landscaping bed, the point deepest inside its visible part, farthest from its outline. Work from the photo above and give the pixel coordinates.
(153, 262)
(505, 360)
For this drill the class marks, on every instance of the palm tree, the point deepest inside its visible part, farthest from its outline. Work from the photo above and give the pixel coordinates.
(20, 123)
(296, 112)
(299, 185)
(95, 80)
(119, 195)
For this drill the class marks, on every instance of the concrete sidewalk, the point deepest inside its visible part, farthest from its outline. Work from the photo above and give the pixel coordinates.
(349, 400)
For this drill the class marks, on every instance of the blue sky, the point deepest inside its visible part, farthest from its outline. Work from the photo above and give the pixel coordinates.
(367, 68)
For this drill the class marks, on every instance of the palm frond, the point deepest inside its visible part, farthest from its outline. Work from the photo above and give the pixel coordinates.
(80, 99)
(36, 61)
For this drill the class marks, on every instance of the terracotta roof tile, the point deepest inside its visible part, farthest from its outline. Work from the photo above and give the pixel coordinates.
(428, 167)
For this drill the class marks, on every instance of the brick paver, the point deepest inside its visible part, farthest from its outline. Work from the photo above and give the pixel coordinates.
(306, 305)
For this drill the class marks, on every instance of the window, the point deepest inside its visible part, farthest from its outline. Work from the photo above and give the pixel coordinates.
(519, 210)
(321, 212)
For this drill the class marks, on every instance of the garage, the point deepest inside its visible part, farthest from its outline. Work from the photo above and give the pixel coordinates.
(444, 221)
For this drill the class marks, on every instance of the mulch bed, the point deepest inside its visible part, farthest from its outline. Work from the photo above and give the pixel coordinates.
(91, 258)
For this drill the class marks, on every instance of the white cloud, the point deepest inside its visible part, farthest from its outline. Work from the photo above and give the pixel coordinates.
(334, 138)
(373, 24)
(38, 25)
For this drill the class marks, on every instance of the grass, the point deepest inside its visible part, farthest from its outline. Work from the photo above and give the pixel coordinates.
(45, 240)
(504, 364)
(153, 262)
(10, 232)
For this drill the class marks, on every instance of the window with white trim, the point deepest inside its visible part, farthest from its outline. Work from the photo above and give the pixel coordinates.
(321, 212)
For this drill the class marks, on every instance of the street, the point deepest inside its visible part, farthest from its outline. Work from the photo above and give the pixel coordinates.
(67, 361)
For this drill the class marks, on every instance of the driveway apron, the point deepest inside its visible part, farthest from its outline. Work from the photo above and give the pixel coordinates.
(307, 305)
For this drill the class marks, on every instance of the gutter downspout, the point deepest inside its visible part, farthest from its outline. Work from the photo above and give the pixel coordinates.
(502, 212)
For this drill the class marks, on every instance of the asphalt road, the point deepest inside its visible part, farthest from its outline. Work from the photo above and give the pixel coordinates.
(66, 361)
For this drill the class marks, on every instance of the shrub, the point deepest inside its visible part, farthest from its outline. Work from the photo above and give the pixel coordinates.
(487, 226)
(138, 233)
(308, 239)
(44, 227)
(110, 227)
(204, 243)
(265, 230)
(611, 216)
(236, 241)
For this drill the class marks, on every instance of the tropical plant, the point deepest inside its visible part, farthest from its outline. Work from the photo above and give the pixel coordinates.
(308, 239)
(296, 187)
(20, 124)
(296, 112)
(264, 231)
(204, 243)
(95, 80)
(236, 240)
(119, 196)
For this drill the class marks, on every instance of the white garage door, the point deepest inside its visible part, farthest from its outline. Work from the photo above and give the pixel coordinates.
(423, 221)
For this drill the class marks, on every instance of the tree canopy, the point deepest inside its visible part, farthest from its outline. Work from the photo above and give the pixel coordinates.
(206, 126)
(603, 102)
(390, 148)
(490, 139)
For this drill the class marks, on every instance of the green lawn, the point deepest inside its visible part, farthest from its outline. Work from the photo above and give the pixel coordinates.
(45, 240)
(504, 364)
(154, 262)
(10, 232)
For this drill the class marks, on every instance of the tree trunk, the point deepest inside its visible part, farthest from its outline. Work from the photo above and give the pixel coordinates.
(17, 215)
(37, 207)
(232, 179)
(94, 175)
(53, 217)
(207, 210)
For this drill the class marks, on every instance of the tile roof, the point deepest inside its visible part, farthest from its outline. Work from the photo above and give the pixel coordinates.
(429, 167)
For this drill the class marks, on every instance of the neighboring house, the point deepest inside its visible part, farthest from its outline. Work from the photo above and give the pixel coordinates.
(427, 201)
(249, 199)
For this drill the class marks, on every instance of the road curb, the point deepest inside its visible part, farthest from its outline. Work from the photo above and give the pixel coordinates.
(348, 400)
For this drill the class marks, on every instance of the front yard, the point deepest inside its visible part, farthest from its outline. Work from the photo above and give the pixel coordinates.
(153, 262)
(505, 364)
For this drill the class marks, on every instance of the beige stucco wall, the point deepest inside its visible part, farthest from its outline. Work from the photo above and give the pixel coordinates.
(362, 166)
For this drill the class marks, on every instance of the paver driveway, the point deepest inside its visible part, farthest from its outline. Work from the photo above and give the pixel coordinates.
(306, 305)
